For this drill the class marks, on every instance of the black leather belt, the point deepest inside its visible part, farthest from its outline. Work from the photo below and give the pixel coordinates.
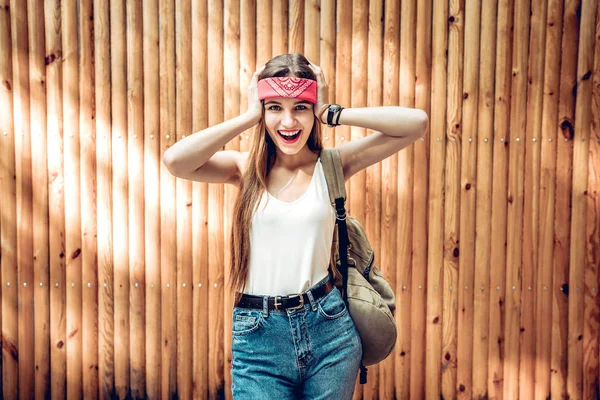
(290, 302)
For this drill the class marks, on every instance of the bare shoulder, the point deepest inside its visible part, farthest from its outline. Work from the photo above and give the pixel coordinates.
(226, 166)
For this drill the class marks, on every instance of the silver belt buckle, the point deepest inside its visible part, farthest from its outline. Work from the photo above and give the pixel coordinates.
(301, 305)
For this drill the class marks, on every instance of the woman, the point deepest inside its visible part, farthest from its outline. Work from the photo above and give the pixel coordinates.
(292, 335)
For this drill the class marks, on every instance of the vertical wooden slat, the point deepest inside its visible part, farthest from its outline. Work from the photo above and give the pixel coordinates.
(102, 57)
(200, 201)
(152, 196)
(296, 26)
(120, 196)
(89, 274)
(531, 210)
(389, 178)
(183, 104)
(496, 352)
(279, 26)
(404, 278)
(72, 202)
(591, 316)
(264, 40)
(168, 229)
(358, 83)
(468, 200)
(8, 214)
(327, 59)
(135, 196)
(39, 178)
(343, 76)
(483, 188)
(452, 193)
(515, 140)
(312, 31)
(56, 233)
(422, 56)
(435, 283)
(215, 204)
(413, 161)
(577, 364)
(562, 218)
(547, 193)
(23, 196)
(372, 188)
(248, 51)
(231, 98)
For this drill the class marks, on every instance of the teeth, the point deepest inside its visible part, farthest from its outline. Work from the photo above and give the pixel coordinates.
(289, 133)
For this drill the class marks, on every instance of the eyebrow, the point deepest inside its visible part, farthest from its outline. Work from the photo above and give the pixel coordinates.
(296, 103)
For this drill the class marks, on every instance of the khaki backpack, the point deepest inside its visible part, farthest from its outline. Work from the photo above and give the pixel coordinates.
(369, 297)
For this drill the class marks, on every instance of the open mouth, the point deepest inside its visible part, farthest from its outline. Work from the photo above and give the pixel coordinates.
(289, 137)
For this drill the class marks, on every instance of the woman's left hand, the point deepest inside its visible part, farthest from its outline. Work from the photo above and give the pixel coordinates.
(322, 90)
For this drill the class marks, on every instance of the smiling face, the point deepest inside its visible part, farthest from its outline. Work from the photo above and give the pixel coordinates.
(289, 122)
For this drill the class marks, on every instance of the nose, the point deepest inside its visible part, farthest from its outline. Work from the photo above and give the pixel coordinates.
(288, 120)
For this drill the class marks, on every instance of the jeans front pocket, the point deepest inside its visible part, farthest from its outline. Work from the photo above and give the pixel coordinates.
(245, 321)
(332, 306)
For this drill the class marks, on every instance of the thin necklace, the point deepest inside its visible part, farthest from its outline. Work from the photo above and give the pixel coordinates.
(286, 185)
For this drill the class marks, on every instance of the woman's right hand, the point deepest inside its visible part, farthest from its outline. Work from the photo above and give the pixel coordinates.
(254, 104)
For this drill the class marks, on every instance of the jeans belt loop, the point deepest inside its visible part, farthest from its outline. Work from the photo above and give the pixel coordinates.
(313, 303)
(266, 307)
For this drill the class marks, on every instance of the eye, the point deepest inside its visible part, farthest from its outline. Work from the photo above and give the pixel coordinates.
(301, 107)
(274, 108)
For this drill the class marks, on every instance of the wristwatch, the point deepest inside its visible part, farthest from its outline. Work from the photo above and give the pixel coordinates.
(332, 110)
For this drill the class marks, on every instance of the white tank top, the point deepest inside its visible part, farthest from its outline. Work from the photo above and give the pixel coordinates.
(290, 242)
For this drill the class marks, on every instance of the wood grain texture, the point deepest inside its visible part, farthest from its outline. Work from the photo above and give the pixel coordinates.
(106, 345)
(547, 198)
(358, 183)
(39, 179)
(8, 216)
(483, 188)
(120, 192)
(372, 189)
(435, 239)
(591, 315)
(498, 289)
(24, 201)
(531, 211)
(200, 205)
(468, 201)
(54, 96)
(168, 222)
(96, 90)
(216, 229)
(135, 197)
(389, 175)
(577, 362)
(89, 254)
(72, 200)
(452, 245)
(232, 99)
(152, 162)
(562, 218)
(183, 128)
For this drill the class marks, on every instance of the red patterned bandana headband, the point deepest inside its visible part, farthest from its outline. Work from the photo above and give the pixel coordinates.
(300, 88)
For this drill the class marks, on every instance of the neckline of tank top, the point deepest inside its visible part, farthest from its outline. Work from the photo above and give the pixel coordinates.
(312, 180)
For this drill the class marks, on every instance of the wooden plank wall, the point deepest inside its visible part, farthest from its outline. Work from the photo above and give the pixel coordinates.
(113, 272)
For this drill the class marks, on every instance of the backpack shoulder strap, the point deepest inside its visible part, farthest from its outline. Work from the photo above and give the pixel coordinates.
(334, 174)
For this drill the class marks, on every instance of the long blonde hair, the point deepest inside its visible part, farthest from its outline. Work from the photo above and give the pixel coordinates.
(260, 161)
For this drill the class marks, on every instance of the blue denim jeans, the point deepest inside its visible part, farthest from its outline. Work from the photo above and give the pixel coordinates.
(310, 353)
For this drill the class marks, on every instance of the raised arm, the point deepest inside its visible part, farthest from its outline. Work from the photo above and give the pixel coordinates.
(397, 127)
(197, 157)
